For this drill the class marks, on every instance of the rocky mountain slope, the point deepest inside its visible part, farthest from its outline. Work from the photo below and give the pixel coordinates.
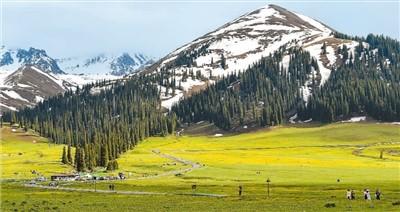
(28, 86)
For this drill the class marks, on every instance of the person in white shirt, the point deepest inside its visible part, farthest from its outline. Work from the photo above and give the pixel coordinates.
(348, 194)
(368, 195)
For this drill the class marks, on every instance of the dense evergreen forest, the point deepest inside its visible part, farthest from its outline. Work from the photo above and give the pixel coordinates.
(100, 123)
(367, 83)
(105, 119)
(263, 94)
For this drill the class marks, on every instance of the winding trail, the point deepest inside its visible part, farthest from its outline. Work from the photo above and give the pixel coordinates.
(193, 165)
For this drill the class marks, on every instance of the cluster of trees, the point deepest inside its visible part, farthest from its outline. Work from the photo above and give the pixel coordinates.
(186, 58)
(263, 94)
(67, 156)
(367, 82)
(100, 120)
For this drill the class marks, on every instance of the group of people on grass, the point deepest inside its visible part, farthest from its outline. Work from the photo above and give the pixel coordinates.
(351, 195)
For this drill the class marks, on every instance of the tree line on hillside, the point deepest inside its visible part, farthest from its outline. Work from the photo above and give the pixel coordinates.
(367, 82)
(100, 123)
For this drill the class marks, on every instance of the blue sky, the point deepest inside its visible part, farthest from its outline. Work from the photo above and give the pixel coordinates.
(155, 28)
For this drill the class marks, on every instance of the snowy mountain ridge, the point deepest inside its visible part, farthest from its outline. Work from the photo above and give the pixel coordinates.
(112, 64)
(12, 59)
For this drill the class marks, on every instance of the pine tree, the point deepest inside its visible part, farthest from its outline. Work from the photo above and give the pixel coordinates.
(64, 158)
(223, 62)
(81, 163)
(69, 155)
(80, 159)
(323, 48)
(112, 165)
(104, 156)
(77, 157)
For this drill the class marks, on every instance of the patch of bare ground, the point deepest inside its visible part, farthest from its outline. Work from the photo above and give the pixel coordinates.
(206, 128)
(195, 89)
(203, 128)
(334, 43)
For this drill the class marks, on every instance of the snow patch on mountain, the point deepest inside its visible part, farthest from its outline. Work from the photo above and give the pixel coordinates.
(315, 23)
(189, 83)
(83, 79)
(13, 94)
(285, 62)
(38, 99)
(330, 53)
(315, 51)
(169, 101)
(356, 119)
(8, 107)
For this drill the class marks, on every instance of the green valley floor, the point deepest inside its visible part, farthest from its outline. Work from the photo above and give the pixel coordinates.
(309, 169)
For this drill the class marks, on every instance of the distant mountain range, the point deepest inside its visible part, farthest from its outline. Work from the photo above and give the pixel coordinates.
(113, 64)
(117, 65)
(26, 75)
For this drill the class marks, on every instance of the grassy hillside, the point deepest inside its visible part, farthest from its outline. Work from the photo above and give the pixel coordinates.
(22, 152)
(304, 165)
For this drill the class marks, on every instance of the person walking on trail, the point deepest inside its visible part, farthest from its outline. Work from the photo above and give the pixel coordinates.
(240, 190)
(348, 194)
(378, 194)
(353, 194)
(109, 187)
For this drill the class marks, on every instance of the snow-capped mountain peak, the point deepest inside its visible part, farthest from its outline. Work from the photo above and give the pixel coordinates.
(272, 17)
(242, 42)
(250, 37)
(12, 59)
